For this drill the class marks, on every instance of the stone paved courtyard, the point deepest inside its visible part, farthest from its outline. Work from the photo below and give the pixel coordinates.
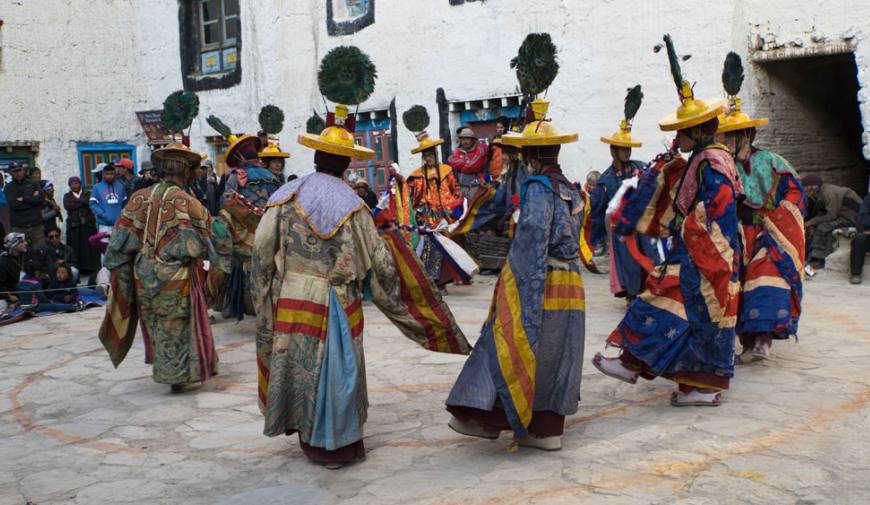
(793, 430)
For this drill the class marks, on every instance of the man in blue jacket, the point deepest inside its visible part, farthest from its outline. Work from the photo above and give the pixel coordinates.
(107, 200)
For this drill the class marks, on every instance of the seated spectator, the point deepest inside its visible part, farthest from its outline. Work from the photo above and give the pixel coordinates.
(861, 242)
(31, 291)
(365, 192)
(835, 207)
(107, 200)
(469, 160)
(50, 209)
(55, 252)
(11, 263)
(62, 287)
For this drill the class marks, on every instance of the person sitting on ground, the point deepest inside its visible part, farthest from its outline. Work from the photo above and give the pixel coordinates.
(11, 263)
(55, 252)
(837, 207)
(861, 242)
(33, 294)
(62, 286)
(366, 194)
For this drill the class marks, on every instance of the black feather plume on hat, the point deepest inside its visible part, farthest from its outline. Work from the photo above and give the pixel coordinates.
(346, 76)
(271, 119)
(416, 118)
(674, 61)
(179, 109)
(219, 126)
(732, 74)
(536, 63)
(632, 102)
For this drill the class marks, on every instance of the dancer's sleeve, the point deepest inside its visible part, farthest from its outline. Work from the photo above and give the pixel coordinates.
(266, 246)
(402, 290)
(711, 234)
(527, 260)
(648, 209)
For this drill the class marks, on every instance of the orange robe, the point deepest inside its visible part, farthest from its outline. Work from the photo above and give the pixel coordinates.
(495, 162)
(436, 195)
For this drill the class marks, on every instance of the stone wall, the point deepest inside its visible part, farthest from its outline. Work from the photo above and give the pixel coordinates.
(77, 71)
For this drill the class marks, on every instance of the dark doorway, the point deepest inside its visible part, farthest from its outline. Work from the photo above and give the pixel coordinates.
(815, 122)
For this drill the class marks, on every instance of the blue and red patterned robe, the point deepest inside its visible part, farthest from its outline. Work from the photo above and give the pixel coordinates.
(682, 326)
(774, 251)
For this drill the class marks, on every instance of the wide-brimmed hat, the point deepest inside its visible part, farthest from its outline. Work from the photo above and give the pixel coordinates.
(622, 137)
(539, 132)
(241, 149)
(692, 111)
(425, 142)
(335, 139)
(176, 151)
(735, 119)
(273, 151)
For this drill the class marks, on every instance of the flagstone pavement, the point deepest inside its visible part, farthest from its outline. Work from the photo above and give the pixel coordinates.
(792, 430)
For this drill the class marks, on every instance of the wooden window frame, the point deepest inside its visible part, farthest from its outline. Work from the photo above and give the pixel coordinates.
(191, 47)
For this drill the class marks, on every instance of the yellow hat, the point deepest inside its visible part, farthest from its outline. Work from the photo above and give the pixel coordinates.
(273, 151)
(336, 139)
(424, 141)
(539, 132)
(691, 112)
(176, 151)
(735, 119)
(622, 138)
(241, 148)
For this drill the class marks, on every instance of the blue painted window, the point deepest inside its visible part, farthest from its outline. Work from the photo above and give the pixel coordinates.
(92, 154)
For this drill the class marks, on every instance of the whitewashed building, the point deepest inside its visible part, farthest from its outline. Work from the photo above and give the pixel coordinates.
(74, 74)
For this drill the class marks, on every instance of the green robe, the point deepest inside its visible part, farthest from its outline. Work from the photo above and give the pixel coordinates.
(156, 256)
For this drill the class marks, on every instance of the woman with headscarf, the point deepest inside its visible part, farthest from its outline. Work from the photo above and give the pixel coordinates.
(80, 225)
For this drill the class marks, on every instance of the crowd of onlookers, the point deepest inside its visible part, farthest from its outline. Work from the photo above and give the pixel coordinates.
(44, 264)
(40, 265)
